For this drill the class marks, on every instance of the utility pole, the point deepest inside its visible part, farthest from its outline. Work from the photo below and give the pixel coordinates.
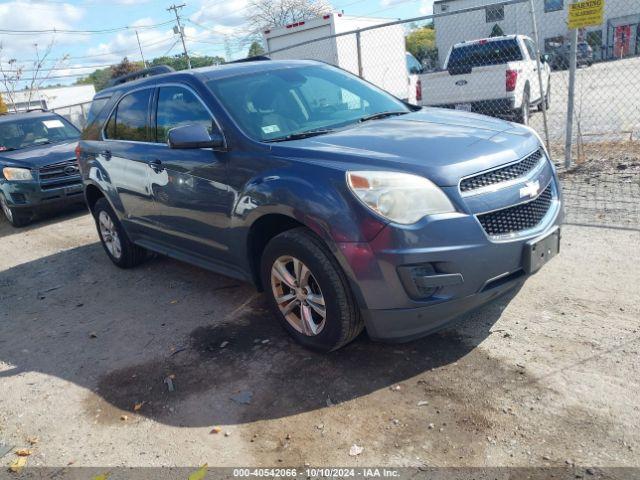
(179, 30)
(144, 62)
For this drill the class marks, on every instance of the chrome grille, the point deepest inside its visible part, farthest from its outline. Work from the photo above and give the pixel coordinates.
(519, 217)
(58, 175)
(504, 174)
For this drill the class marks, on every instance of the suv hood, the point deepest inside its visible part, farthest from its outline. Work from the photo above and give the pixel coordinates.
(442, 145)
(39, 156)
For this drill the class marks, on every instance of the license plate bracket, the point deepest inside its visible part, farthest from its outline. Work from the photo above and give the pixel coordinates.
(539, 251)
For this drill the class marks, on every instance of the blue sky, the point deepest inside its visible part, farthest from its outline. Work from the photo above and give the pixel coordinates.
(208, 25)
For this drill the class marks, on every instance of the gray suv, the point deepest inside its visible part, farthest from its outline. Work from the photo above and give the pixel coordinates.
(348, 207)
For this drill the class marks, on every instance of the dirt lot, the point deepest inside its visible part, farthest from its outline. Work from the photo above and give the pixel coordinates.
(547, 376)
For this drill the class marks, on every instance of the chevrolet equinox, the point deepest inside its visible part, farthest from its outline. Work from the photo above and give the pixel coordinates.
(350, 208)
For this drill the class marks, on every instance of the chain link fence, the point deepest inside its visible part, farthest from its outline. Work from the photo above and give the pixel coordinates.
(507, 59)
(510, 60)
(76, 114)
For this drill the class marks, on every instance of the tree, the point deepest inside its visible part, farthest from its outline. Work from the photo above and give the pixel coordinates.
(3, 106)
(421, 43)
(179, 62)
(100, 78)
(496, 31)
(255, 49)
(14, 76)
(97, 78)
(125, 67)
(265, 14)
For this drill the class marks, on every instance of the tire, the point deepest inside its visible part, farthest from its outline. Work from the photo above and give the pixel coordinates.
(16, 217)
(325, 281)
(523, 114)
(547, 98)
(122, 251)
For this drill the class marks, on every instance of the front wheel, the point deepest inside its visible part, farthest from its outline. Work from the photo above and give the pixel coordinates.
(308, 291)
(14, 216)
(122, 251)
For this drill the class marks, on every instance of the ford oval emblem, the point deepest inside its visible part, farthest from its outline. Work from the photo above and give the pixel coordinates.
(461, 83)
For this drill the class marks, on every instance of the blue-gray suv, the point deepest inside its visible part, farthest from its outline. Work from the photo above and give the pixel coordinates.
(350, 208)
(38, 166)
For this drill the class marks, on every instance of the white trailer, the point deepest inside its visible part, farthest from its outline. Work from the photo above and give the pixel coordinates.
(382, 50)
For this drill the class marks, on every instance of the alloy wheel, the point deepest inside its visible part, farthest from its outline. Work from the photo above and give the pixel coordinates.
(109, 235)
(298, 295)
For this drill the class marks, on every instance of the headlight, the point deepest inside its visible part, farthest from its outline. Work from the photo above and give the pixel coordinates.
(399, 197)
(13, 173)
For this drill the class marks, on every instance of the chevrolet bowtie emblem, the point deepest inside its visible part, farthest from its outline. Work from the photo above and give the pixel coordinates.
(530, 189)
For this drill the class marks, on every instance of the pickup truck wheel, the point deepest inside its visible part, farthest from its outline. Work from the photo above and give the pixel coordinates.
(15, 217)
(122, 251)
(547, 97)
(523, 114)
(309, 292)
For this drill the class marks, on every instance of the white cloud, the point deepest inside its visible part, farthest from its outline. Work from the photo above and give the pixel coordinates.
(21, 15)
(222, 14)
(426, 7)
(154, 43)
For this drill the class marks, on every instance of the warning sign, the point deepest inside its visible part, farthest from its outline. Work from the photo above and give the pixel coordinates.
(586, 13)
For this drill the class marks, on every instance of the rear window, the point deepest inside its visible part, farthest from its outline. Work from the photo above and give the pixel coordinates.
(495, 52)
(96, 107)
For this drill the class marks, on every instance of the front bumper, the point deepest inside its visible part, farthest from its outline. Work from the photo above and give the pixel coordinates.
(31, 196)
(457, 265)
(405, 324)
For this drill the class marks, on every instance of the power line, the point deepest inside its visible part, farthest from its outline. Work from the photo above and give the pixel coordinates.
(84, 32)
(114, 52)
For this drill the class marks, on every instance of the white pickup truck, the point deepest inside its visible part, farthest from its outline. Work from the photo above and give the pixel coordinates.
(496, 76)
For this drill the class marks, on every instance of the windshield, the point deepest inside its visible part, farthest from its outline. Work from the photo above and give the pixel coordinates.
(29, 132)
(493, 52)
(276, 104)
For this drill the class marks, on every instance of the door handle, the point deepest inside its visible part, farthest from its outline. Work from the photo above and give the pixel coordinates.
(106, 154)
(156, 165)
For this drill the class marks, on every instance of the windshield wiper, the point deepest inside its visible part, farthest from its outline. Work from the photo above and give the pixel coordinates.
(299, 135)
(376, 116)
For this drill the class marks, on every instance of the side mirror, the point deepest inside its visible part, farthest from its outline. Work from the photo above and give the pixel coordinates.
(545, 58)
(194, 136)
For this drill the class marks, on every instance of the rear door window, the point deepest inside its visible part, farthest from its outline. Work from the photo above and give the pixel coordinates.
(178, 107)
(130, 120)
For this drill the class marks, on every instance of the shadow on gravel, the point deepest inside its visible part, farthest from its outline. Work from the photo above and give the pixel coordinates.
(44, 218)
(123, 333)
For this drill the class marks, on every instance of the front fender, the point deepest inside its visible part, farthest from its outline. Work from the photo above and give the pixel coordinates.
(313, 195)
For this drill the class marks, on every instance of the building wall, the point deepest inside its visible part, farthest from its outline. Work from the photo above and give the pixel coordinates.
(517, 19)
(52, 98)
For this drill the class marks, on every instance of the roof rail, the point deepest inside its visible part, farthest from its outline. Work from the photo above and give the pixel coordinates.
(257, 58)
(147, 72)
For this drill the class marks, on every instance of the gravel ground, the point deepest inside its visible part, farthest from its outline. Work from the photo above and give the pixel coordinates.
(544, 377)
